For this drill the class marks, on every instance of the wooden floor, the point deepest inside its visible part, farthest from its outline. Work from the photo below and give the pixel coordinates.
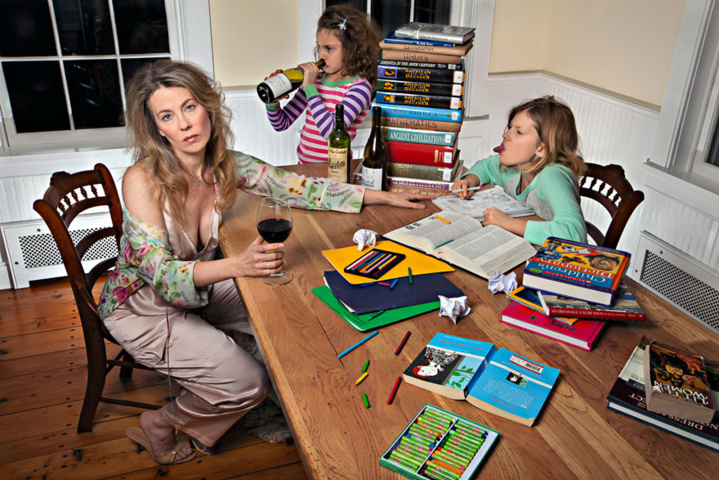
(42, 383)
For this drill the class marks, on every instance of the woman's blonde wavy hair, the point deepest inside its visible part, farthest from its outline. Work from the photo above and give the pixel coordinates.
(153, 152)
(554, 122)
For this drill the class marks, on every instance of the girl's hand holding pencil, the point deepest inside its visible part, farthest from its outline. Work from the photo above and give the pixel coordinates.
(466, 187)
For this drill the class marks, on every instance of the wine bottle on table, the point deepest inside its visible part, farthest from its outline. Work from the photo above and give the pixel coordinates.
(276, 87)
(339, 152)
(374, 164)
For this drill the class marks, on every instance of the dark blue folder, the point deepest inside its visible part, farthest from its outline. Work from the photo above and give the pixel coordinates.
(364, 299)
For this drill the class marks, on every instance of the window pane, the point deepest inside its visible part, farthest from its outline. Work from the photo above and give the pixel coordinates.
(360, 4)
(25, 29)
(141, 26)
(94, 93)
(432, 11)
(36, 96)
(84, 27)
(390, 14)
(130, 66)
(713, 157)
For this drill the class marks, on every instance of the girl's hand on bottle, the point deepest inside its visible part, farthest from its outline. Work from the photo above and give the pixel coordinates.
(260, 259)
(279, 70)
(310, 72)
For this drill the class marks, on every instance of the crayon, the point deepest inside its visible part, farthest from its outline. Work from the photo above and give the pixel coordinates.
(394, 390)
(436, 413)
(411, 453)
(366, 285)
(358, 344)
(366, 364)
(416, 462)
(401, 344)
(374, 261)
(365, 400)
(362, 259)
(374, 315)
(435, 472)
(384, 284)
(443, 219)
(458, 455)
(443, 244)
(409, 272)
(359, 380)
(404, 463)
(394, 283)
(456, 462)
(447, 466)
(379, 266)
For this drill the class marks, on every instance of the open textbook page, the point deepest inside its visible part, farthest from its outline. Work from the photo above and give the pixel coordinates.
(462, 241)
(475, 205)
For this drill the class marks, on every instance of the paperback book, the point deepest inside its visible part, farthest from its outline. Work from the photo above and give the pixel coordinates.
(627, 396)
(426, 137)
(577, 270)
(431, 101)
(495, 380)
(625, 307)
(463, 241)
(676, 383)
(421, 88)
(435, 32)
(421, 72)
(475, 205)
(581, 334)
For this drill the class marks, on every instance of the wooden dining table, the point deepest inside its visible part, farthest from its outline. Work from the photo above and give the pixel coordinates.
(575, 436)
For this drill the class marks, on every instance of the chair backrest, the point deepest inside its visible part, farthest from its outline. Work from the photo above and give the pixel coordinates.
(607, 185)
(68, 196)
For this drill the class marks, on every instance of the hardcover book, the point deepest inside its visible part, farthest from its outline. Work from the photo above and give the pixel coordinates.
(428, 187)
(676, 383)
(463, 241)
(420, 57)
(420, 113)
(421, 124)
(421, 88)
(627, 396)
(459, 50)
(432, 101)
(624, 308)
(532, 298)
(581, 334)
(427, 137)
(435, 32)
(495, 380)
(420, 153)
(426, 172)
(421, 72)
(476, 205)
(577, 270)
(392, 38)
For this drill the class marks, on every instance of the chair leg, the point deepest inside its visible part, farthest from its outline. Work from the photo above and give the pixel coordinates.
(126, 372)
(93, 392)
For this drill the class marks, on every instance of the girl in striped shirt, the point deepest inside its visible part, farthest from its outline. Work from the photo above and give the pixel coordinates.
(348, 42)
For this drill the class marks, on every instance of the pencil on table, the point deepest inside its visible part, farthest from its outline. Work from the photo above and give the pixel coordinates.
(394, 390)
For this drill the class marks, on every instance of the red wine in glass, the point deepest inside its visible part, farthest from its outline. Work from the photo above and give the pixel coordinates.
(274, 223)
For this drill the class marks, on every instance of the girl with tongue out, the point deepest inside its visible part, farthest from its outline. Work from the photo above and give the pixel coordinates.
(538, 164)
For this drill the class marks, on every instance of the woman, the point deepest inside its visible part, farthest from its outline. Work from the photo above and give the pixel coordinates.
(169, 302)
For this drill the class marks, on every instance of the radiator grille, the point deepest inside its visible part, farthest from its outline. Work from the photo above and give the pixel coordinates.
(688, 292)
(40, 250)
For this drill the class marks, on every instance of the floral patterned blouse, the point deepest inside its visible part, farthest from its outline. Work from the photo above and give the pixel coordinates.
(146, 256)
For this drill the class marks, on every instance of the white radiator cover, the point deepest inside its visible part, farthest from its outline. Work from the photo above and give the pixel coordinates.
(679, 278)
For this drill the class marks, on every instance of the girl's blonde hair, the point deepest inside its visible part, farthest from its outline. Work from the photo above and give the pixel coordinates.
(154, 153)
(554, 122)
(360, 37)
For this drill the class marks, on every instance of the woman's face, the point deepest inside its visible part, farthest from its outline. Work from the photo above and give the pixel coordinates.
(181, 120)
(520, 143)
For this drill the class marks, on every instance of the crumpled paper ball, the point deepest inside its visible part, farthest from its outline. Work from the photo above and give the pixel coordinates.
(364, 237)
(502, 283)
(454, 308)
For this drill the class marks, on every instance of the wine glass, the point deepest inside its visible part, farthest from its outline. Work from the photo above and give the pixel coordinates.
(274, 223)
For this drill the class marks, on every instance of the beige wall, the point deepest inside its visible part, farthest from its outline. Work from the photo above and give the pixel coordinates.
(623, 46)
(252, 38)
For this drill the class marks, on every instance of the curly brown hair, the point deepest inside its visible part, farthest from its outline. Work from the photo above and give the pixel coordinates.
(155, 154)
(360, 37)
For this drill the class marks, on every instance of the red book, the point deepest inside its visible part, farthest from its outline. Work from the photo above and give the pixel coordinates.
(580, 334)
(420, 153)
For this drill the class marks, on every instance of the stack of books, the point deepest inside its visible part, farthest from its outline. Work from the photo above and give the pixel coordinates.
(420, 88)
(571, 290)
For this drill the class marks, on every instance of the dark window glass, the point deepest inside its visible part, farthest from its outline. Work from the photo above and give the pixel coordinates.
(360, 4)
(130, 66)
(94, 93)
(37, 98)
(25, 29)
(714, 149)
(141, 26)
(432, 11)
(390, 14)
(84, 27)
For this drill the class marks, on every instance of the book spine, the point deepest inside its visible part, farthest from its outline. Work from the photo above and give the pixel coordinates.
(390, 38)
(421, 88)
(457, 50)
(420, 154)
(418, 57)
(419, 74)
(432, 36)
(418, 183)
(424, 172)
(432, 65)
(431, 101)
(419, 136)
(599, 314)
(421, 113)
(418, 124)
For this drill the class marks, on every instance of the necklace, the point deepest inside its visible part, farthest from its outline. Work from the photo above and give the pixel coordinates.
(197, 182)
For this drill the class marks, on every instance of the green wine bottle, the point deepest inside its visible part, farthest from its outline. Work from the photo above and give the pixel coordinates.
(340, 153)
(374, 164)
(283, 83)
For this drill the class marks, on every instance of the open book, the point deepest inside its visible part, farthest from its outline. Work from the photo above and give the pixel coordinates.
(465, 243)
(475, 205)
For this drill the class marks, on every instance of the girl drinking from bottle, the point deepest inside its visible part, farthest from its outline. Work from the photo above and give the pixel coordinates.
(538, 164)
(348, 42)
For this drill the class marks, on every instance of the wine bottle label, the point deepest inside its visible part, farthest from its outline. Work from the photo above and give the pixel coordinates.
(372, 178)
(279, 84)
(337, 162)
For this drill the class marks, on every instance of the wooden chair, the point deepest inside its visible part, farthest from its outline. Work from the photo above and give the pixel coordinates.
(68, 196)
(607, 185)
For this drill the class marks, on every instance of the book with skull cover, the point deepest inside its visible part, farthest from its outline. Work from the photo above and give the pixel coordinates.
(495, 380)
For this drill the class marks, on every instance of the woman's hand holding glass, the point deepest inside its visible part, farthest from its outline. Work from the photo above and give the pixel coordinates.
(274, 223)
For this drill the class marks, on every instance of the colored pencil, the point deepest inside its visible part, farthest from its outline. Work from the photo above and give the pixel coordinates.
(366, 364)
(394, 283)
(443, 219)
(359, 380)
(394, 390)
(358, 344)
(365, 400)
(401, 344)
(409, 272)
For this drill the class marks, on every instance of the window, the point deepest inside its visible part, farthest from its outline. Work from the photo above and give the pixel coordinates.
(64, 65)
(706, 157)
(391, 14)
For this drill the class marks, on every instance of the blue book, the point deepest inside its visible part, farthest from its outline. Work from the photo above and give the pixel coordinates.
(421, 113)
(365, 298)
(391, 38)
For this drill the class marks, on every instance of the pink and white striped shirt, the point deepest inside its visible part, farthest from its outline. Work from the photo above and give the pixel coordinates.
(320, 99)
